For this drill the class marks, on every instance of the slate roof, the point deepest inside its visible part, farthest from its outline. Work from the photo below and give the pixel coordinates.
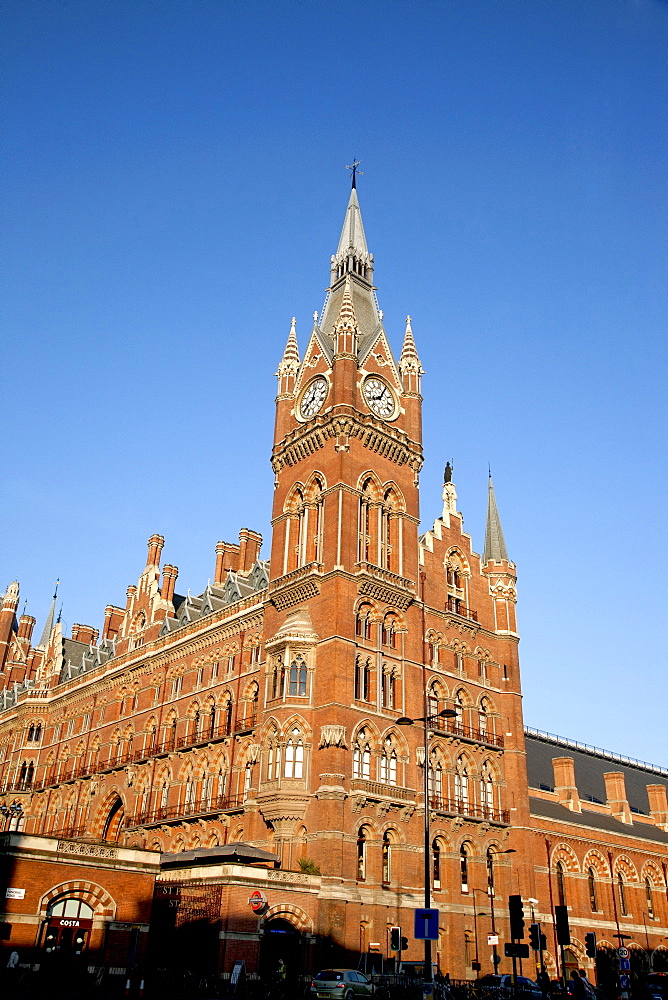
(596, 821)
(590, 766)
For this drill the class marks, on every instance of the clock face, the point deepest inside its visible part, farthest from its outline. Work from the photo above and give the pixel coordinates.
(379, 398)
(313, 398)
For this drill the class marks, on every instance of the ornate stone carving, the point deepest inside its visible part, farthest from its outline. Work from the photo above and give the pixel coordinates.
(87, 850)
(333, 736)
(253, 752)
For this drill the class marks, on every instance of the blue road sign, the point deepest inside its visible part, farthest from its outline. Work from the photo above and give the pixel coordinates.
(625, 964)
(426, 925)
(624, 982)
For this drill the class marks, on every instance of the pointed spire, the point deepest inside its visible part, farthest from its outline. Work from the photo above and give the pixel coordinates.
(409, 356)
(495, 545)
(290, 357)
(50, 618)
(346, 318)
(352, 234)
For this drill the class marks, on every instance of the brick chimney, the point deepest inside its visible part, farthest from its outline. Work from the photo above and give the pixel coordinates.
(169, 575)
(227, 557)
(615, 793)
(7, 615)
(85, 633)
(658, 804)
(113, 617)
(249, 548)
(26, 625)
(564, 782)
(155, 544)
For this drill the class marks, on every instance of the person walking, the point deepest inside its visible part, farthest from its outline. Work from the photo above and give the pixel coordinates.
(578, 987)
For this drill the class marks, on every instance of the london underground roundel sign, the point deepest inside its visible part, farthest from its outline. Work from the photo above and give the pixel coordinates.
(257, 901)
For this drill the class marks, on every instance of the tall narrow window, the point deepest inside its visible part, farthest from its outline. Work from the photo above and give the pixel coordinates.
(298, 677)
(362, 679)
(591, 879)
(487, 791)
(361, 854)
(435, 782)
(389, 633)
(248, 780)
(388, 686)
(621, 891)
(462, 788)
(561, 884)
(648, 898)
(387, 857)
(436, 863)
(482, 719)
(388, 763)
(459, 709)
(464, 867)
(362, 756)
(294, 756)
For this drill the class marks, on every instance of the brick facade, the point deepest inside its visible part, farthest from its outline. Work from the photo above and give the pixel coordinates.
(265, 709)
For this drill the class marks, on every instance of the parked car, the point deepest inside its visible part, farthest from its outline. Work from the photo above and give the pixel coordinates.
(505, 983)
(344, 984)
(656, 986)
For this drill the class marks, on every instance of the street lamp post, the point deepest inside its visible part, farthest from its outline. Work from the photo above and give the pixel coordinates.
(490, 889)
(475, 933)
(447, 713)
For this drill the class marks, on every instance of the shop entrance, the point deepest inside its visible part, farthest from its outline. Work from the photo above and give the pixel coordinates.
(68, 926)
(281, 941)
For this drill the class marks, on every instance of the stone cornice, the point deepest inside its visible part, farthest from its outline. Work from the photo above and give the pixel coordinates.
(379, 437)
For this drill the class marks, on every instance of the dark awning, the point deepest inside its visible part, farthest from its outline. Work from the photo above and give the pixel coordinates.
(231, 854)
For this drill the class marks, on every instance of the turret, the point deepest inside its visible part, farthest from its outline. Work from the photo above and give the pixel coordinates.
(10, 603)
(498, 567)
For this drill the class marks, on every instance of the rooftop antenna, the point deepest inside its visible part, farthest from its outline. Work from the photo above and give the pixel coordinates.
(353, 166)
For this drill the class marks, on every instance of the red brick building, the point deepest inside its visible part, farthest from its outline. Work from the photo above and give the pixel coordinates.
(264, 711)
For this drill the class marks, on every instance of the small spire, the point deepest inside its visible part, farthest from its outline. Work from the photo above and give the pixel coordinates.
(290, 360)
(353, 166)
(346, 317)
(495, 545)
(409, 356)
(48, 625)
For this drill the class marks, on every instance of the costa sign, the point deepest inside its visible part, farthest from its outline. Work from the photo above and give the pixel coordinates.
(257, 901)
(70, 922)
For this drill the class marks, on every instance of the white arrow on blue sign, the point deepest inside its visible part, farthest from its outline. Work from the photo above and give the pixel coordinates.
(426, 925)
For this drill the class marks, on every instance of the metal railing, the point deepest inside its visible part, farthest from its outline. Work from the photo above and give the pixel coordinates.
(453, 728)
(208, 804)
(457, 608)
(473, 810)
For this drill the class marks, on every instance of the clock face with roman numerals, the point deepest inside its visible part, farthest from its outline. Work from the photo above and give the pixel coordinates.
(379, 397)
(313, 398)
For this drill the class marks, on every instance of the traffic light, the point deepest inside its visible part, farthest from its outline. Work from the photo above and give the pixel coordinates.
(395, 938)
(516, 910)
(534, 936)
(590, 944)
(543, 943)
(561, 920)
(404, 943)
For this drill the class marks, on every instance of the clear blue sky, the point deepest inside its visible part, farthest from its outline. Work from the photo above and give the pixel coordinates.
(173, 185)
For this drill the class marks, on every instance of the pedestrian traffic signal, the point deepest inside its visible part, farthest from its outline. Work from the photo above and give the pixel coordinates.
(395, 938)
(561, 920)
(516, 910)
(534, 936)
(590, 944)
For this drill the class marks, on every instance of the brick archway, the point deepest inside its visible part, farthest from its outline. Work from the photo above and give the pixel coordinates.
(95, 895)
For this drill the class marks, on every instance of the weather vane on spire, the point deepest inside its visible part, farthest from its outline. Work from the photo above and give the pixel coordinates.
(353, 166)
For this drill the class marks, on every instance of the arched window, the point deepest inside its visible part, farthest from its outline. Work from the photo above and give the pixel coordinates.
(389, 634)
(387, 856)
(189, 797)
(460, 704)
(248, 780)
(464, 866)
(389, 541)
(483, 715)
(462, 787)
(363, 622)
(366, 525)
(621, 891)
(362, 678)
(388, 686)
(648, 898)
(362, 756)
(434, 699)
(314, 542)
(591, 879)
(298, 677)
(388, 762)
(273, 758)
(435, 780)
(561, 883)
(294, 755)
(227, 713)
(487, 791)
(467, 949)
(436, 863)
(164, 794)
(361, 853)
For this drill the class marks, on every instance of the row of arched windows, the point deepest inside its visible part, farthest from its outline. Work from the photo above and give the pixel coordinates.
(620, 889)
(289, 681)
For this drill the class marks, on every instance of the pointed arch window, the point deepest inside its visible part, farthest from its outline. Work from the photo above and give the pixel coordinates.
(365, 545)
(362, 679)
(363, 622)
(388, 686)
(294, 755)
(389, 631)
(464, 867)
(388, 762)
(487, 791)
(278, 679)
(435, 780)
(462, 788)
(561, 883)
(436, 863)
(248, 780)
(621, 892)
(361, 853)
(387, 856)
(483, 717)
(460, 704)
(273, 758)
(591, 881)
(362, 756)
(298, 677)
(648, 898)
